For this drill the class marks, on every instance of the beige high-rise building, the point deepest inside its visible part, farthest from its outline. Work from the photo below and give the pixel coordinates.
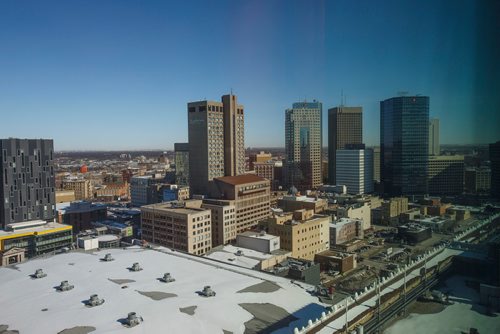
(345, 127)
(179, 227)
(303, 141)
(216, 141)
(301, 232)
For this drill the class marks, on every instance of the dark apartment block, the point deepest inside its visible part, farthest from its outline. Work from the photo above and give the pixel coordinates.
(27, 174)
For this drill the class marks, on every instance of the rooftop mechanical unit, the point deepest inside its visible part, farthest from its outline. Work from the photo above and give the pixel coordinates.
(39, 273)
(64, 286)
(133, 320)
(207, 291)
(94, 301)
(108, 258)
(136, 267)
(167, 278)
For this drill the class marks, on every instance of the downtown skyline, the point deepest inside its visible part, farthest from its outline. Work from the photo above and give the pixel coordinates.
(118, 75)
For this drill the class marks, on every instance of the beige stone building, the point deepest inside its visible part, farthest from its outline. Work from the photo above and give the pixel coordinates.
(292, 202)
(301, 232)
(82, 188)
(359, 211)
(223, 222)
(248, 193)
(177, 226)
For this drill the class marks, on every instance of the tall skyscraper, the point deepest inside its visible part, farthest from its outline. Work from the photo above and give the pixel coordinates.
(27, 174)
(345, 126)
(404, 144)
(303, 140)
(495, 169)
(216, 141)
(434, 148)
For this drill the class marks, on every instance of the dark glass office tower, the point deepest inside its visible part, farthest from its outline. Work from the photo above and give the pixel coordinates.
(27, 174)
(404, 144)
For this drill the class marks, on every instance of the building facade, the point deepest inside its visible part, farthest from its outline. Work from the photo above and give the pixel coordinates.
(303, 144)
(249, 194)
(174, 226)
(478, 180)
(81, 214)
(28, 181)
(301, 232)
(434, 148)
(376, 164)
(345, 126)
(345, 230)
(216, 141)
(495, 169)
(404, 144)
(446, 175)
(223, 222)
(181, 158)
(358, 211)
(81, 187)
(35, 237)
(355, 170)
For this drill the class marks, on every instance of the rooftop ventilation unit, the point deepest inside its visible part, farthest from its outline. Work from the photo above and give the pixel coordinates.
(239, 252)
(133, 320)
(207, 291)
(167, 278)
(39, 274)
(64, 286)
(136, 267)
(108, 258)
(94, 301)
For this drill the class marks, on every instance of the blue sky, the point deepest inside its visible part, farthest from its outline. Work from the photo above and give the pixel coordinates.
(118, 74)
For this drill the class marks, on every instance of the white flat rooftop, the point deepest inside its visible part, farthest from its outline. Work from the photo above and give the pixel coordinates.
(34, 306)
(41, 228)
(249, 258)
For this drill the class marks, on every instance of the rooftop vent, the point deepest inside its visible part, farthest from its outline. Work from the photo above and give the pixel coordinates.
(136, 267)
(207, 291)
(239, 252)
(64, 286)
(94, 300)
(133, 320)
(167, 278)
(39, 274)
(108, 257)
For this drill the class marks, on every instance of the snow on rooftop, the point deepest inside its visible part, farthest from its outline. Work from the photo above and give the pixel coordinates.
(23, 298)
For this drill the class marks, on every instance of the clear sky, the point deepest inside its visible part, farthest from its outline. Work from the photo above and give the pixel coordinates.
(117, 74)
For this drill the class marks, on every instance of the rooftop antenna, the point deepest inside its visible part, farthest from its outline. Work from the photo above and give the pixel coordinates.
(231, 90)
(342, 97)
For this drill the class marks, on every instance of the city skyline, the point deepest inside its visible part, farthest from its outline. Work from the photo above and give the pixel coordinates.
(115, 64)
